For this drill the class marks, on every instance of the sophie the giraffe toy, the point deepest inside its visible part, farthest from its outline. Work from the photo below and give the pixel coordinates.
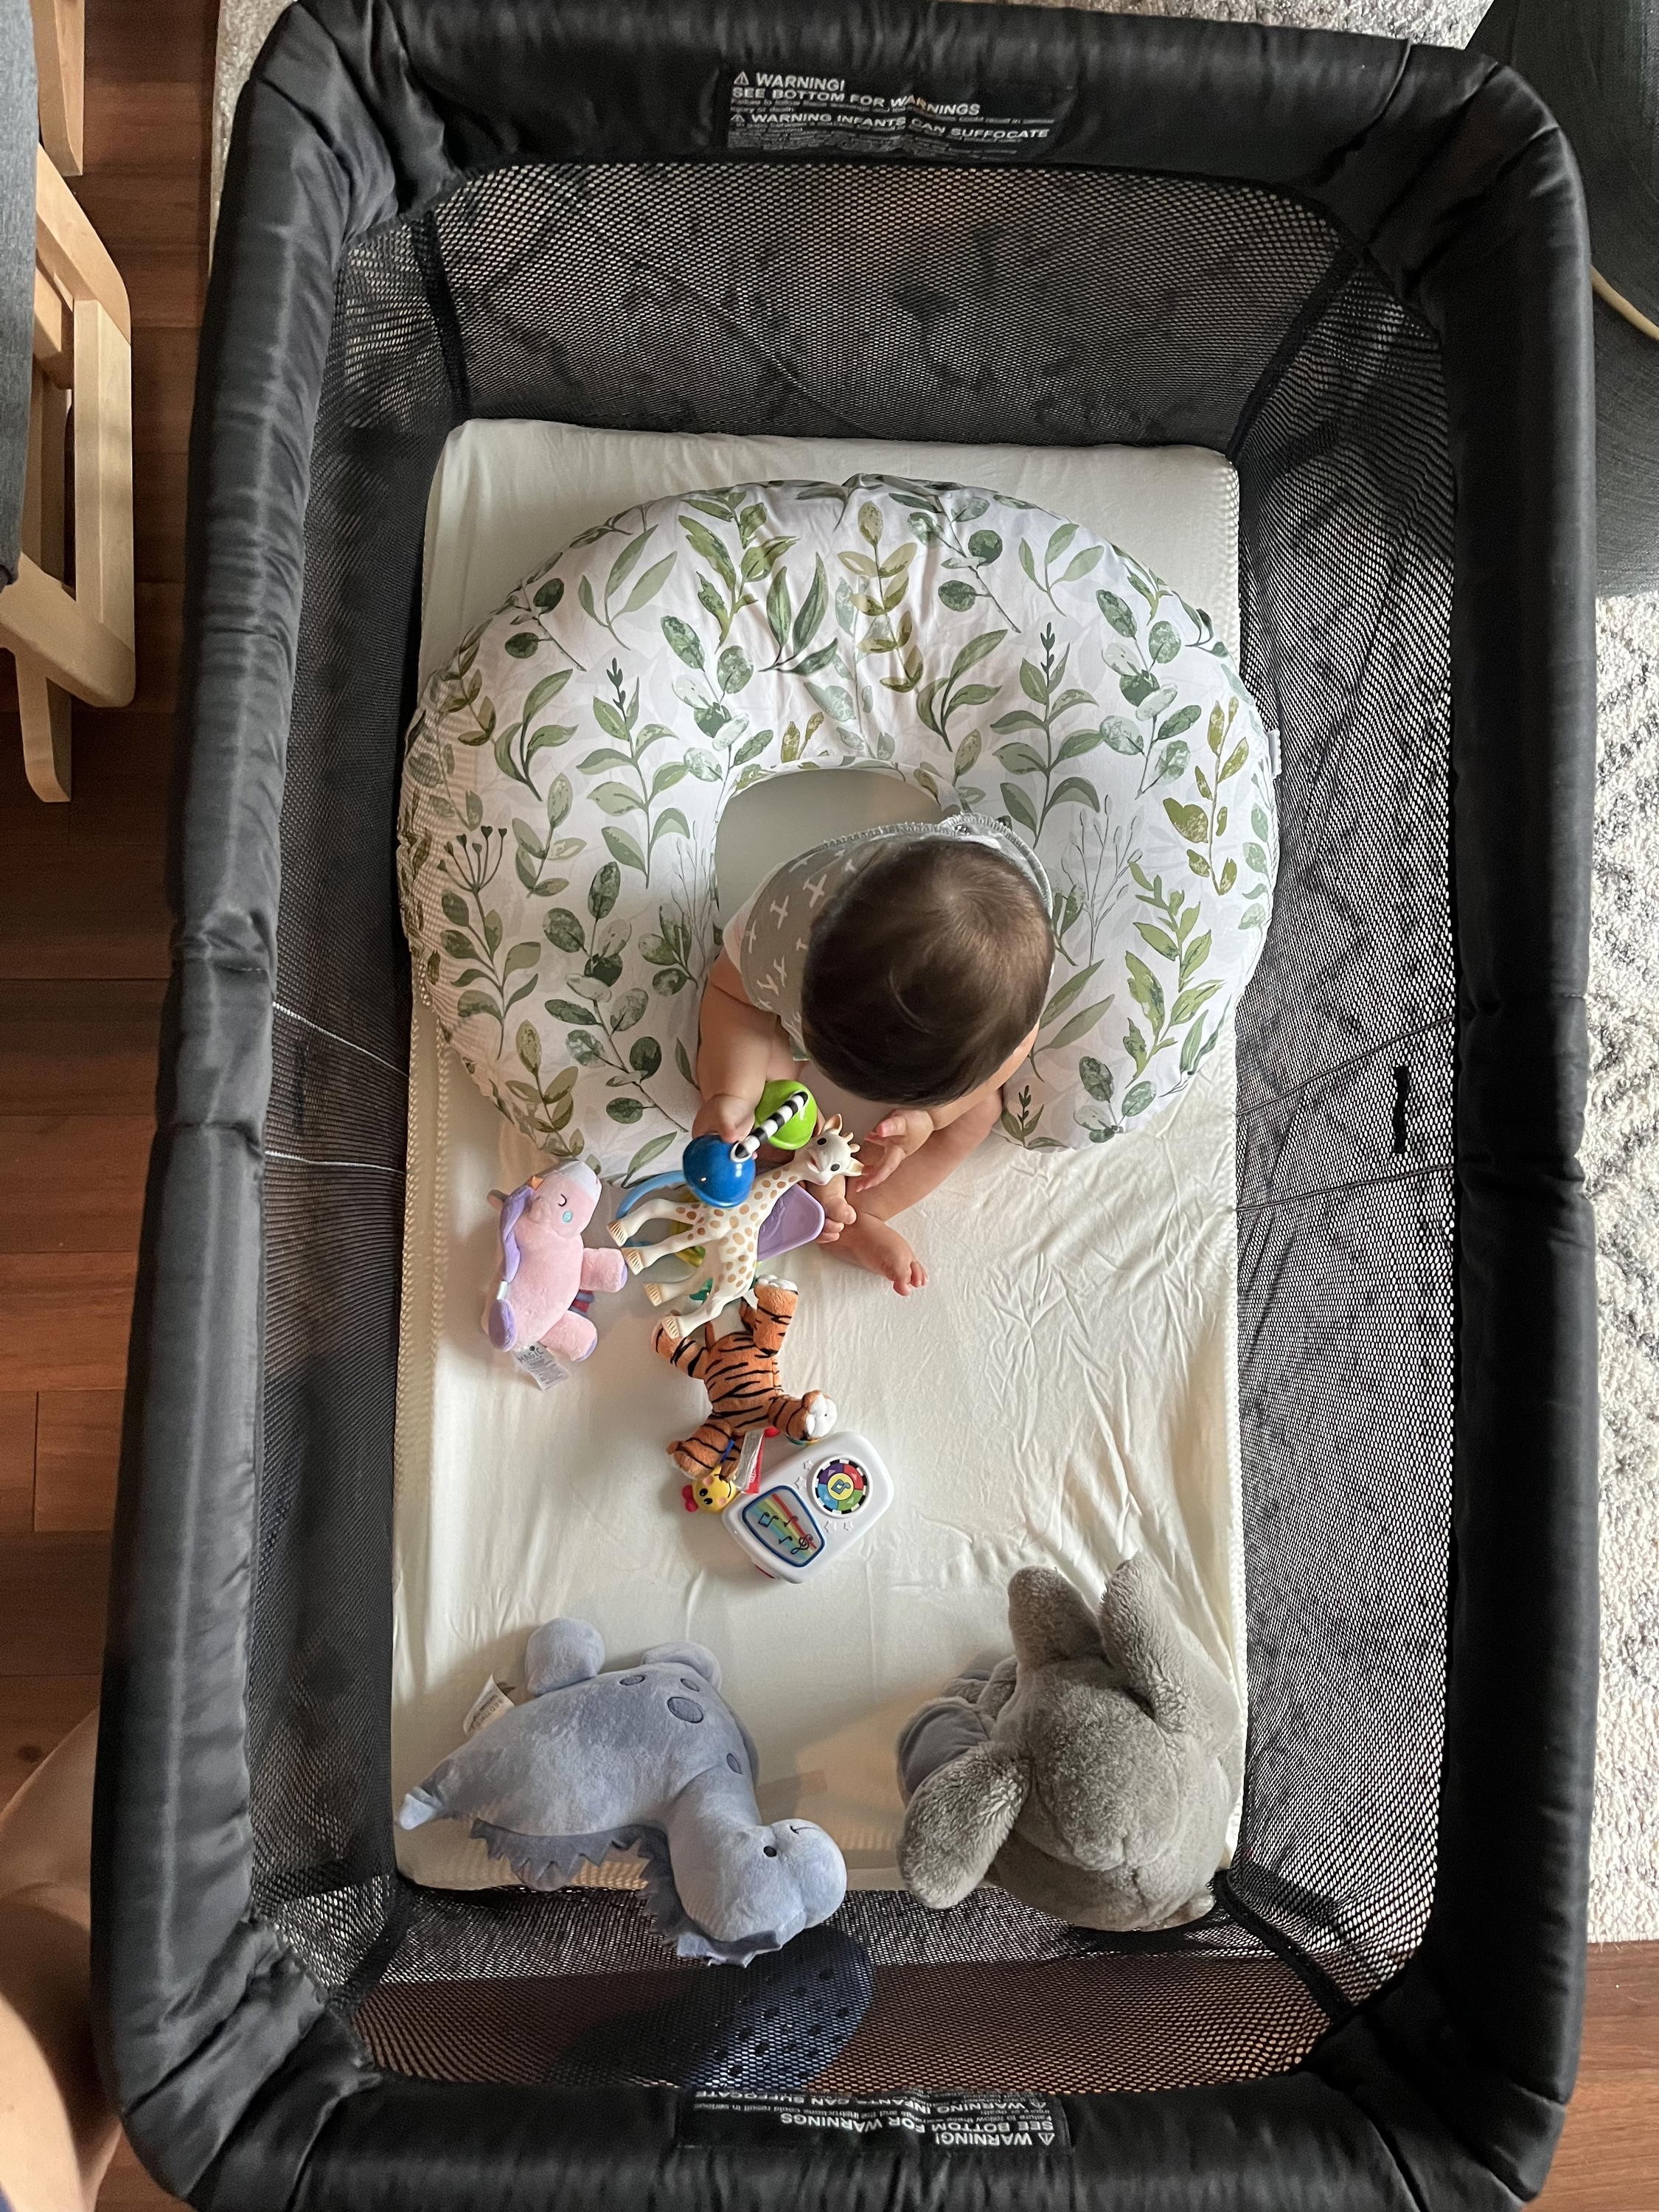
(729, 1234)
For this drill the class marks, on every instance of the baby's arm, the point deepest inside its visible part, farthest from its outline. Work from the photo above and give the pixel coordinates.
(737, 1047)
(932, 1144)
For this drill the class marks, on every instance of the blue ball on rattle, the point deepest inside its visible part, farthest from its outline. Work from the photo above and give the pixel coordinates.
(712, 1168)
(724, 1175)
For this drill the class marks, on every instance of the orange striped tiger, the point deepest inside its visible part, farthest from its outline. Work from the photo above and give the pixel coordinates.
(740, 1374)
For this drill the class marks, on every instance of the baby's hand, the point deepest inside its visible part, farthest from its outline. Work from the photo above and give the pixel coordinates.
(724, 1114)
(891, 1143)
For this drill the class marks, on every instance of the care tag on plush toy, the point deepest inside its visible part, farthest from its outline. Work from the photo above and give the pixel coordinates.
(544, 1367)
(490, 1704)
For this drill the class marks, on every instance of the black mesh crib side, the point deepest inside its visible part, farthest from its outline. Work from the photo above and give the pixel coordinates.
(1360, 271)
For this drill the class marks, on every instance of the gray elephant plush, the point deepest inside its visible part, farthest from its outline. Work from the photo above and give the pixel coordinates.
(649, 1757)
(1091, 1774)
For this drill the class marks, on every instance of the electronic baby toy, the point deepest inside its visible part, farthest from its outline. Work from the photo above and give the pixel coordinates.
(811, 1507)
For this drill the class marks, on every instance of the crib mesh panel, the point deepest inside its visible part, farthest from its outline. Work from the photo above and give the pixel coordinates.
(1027, 307)
(1080, 2024)
(1346, 1222)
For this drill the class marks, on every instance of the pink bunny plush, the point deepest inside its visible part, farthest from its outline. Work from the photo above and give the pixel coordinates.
(547, 1275)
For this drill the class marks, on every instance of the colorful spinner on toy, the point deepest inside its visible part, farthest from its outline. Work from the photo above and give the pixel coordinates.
(812, 1506)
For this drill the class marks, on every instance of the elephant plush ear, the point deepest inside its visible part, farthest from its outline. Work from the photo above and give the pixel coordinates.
(561, 1652)
(695, 1656)
(1048, 1620)
(957, 1821)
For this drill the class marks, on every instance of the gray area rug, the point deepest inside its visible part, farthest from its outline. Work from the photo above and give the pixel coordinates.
(1621, 1155)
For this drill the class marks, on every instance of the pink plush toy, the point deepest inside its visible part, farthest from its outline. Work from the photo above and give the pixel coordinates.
(548, 1276)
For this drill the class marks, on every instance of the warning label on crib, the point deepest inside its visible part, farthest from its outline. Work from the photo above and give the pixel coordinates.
(945, 2123)
(778, 111)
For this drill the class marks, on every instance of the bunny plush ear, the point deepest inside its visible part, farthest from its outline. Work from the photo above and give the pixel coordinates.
(1180, 1686)
(1048, 1620)
(957, 1821)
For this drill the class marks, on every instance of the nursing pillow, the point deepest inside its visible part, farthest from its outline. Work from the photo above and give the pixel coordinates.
(566, 769)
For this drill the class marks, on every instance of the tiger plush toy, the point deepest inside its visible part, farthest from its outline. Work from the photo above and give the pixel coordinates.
(740, 1374)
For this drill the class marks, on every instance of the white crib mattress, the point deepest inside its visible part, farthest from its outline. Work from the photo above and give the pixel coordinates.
(1063, 1392)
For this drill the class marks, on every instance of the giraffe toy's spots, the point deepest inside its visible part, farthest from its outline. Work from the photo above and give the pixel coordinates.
(729, 1235)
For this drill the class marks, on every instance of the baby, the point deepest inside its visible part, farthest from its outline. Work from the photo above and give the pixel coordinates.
(911, 964)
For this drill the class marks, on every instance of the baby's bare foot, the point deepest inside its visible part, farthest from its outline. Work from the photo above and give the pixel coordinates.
(871, 1244)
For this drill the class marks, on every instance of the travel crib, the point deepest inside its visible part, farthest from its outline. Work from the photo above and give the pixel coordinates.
(1359, 270)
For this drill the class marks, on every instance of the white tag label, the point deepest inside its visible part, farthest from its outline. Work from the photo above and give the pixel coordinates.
(491, 1702)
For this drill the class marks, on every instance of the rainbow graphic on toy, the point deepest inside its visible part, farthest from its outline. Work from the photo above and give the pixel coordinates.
(815, 1505)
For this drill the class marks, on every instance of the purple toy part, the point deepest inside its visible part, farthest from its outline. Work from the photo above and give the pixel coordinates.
(512, 1206)
(500, 1328)
(796, 1220)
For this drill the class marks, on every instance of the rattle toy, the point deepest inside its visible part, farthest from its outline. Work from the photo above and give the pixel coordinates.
(546, 1271)
(814, 1509)
(728, 1236)
(724, 1175)
(740, 1374)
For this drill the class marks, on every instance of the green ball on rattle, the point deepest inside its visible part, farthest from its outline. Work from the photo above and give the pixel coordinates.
(724, 1175)
(791, 1135)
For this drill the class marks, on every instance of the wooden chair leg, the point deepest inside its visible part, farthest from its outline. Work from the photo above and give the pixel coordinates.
(60, 66)
(45, 711)
(43, 706)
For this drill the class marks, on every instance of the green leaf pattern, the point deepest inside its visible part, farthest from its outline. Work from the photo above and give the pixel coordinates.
(565, 771)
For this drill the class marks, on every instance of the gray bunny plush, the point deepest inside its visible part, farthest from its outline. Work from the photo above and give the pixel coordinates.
(1091, 1774)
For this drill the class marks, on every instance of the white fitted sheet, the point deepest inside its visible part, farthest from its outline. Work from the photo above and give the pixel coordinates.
(1063, 1392)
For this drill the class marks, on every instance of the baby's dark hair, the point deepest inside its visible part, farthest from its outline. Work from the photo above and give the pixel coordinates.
(924, 973)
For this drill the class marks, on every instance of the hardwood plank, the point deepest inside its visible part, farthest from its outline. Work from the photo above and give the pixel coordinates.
(66, 1047)
(153, 223)
(159, 124)
(72, 1182)
(128, 207)
(1608, 2159)
(159, 500)
(76, 1455)
(163, 391)
(36, 1713)
(52, 1594)
(161, 612)
(115, 925)
(85, 894)
(17, 1419)
(63, 1319)
(133, 46)
(128, 2188)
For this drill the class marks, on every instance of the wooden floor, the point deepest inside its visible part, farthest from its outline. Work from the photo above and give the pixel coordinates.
(83, 954)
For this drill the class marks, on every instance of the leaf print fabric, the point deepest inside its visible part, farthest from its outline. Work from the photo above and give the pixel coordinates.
(566, 770)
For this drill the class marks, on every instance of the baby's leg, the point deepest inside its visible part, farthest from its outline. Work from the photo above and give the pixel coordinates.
(871, 1241)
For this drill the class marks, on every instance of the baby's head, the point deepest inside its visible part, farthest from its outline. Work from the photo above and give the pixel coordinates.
(928, 973)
